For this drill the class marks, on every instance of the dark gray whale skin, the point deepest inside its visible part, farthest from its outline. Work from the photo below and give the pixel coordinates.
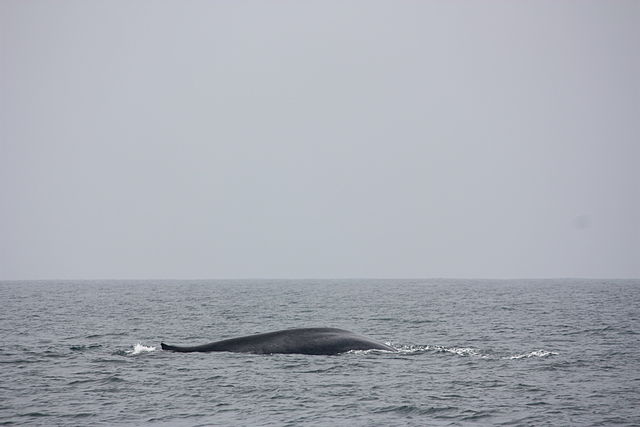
(320, 341)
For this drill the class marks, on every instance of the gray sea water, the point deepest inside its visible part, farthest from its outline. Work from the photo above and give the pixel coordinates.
(510, 352)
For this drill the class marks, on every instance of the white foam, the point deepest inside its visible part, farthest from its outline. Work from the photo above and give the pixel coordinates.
(410, 349)
(139, 348)
(459, 351)
(537, 353)
(371, 351)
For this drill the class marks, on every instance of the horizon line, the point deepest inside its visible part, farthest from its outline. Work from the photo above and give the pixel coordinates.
(349, 278)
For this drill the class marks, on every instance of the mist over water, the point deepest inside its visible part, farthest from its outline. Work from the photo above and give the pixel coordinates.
(553, 352)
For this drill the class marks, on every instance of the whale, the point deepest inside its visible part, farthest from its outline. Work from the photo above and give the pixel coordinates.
(313, 341)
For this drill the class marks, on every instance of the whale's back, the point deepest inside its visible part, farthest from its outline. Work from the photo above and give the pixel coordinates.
(318, 341)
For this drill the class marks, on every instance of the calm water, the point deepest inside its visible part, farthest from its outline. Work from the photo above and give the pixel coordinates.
(552, 352)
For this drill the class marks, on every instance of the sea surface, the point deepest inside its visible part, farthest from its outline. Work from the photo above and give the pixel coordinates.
(471, 352)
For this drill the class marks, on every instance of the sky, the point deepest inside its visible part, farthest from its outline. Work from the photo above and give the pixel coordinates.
(319, 139)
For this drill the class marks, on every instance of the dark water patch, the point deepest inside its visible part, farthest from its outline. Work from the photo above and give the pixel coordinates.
(79, 415)
(112, 379)
(35, 414)
(324, 370)
(469, 415)
(214, 377)
(20, 361)
(84, 381)
(528, 387)
(85, 347)
(112, 360)
(100, 380)
(103, 391)
(416, 410)
(421, 321)
(106, 335)
(521, 421)
(591, 331)
(537, 403)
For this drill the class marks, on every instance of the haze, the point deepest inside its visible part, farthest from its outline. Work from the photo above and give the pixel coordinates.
(288, 139)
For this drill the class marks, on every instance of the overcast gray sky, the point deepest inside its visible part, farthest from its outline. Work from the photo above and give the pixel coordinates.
(236, 139)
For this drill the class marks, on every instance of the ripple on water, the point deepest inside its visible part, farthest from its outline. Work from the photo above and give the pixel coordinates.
(416, 410)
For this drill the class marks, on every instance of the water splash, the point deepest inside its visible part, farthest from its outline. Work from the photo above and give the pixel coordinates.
(469, 352)
(459, 351)
(537, 353)
(139, 348)
(371, 351)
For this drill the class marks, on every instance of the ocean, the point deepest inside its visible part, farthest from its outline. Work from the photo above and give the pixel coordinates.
(551, 352)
